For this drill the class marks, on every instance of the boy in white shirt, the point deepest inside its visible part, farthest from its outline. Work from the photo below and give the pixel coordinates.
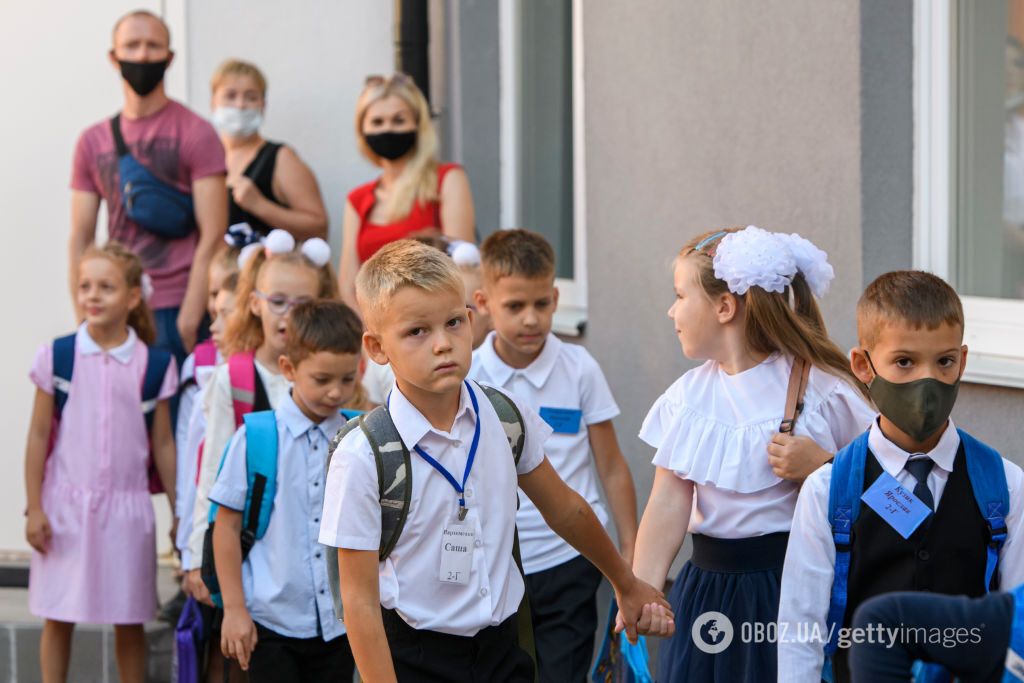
(911, 355)
(279, 620)
(565, 385)
(449, 609)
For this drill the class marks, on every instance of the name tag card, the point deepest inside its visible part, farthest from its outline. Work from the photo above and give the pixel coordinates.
(562, 420)
(457, 542)
(896, 505)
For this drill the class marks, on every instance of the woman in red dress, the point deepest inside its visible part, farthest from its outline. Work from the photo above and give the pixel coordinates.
(415, 195)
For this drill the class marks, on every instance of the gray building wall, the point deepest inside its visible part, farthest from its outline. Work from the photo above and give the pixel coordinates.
(701, 115)
(793, 115)
(470, 113)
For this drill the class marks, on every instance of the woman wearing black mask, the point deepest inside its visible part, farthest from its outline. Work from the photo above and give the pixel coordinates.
(414, 196)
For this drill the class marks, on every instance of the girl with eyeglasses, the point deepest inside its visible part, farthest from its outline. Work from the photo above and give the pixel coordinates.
(276, 276)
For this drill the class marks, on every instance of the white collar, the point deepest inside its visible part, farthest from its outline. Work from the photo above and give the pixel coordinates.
(536, 373)
(894, 459)
(87, 346)
(297, 424)
(411, 424)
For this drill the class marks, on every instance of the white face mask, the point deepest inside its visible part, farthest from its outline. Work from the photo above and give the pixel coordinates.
(237, 122)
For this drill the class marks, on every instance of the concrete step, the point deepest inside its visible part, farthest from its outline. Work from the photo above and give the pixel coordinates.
(92, 650)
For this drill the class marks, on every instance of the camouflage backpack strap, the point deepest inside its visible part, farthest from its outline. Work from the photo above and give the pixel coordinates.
(510, 417)
(515, 431)
(394, 475)
(333, 575)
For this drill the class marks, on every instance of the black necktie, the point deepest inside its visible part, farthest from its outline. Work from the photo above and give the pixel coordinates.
(920, 469)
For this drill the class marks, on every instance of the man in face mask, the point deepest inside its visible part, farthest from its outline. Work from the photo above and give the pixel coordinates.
(914, 504)
(181, 150)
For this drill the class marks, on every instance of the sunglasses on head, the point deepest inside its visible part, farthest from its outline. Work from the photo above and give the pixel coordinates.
(397, 78)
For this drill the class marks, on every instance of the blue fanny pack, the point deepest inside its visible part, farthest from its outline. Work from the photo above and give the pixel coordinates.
(150, 202)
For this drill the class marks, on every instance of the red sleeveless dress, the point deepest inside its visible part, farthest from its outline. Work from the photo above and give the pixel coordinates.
(372, 237)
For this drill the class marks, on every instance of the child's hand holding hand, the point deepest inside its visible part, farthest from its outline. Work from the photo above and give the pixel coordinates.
(194, 586)
(37, 530)
(238, 635)
(795, 457)
(655, 620)
(634, 599)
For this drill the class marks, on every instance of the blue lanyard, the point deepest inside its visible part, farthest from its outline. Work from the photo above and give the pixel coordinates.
(459, 489)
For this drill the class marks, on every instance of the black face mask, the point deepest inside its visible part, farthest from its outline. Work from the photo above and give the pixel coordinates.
(391, 145)
(919, 408)
(143, 77)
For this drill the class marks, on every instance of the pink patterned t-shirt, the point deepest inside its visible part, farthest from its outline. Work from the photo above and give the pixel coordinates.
(178, 147)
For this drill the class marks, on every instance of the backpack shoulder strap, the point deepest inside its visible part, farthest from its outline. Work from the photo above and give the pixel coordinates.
(515, 431)
(510, 417)
(394, 475)
(205, 354)
(845, 490)
(63, 367)
(991, 493)
(242, 373)
(332, 557)
(115, 130)
(261, 471)
(157, 362)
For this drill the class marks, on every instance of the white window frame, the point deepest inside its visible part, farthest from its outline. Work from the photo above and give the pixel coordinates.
(572, 305)
(994, 330)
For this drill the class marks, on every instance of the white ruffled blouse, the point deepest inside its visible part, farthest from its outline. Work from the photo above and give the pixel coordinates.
(713, 429)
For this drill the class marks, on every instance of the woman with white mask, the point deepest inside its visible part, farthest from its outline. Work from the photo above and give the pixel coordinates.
(269, 186)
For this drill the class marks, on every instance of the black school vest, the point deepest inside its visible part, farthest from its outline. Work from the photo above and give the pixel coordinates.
(947, 556)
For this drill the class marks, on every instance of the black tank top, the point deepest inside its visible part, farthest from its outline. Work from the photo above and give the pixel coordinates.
(261, 171)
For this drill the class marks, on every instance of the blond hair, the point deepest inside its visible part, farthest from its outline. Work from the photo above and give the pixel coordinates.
(918, 299)
(244, 329)
(771, 322)
(236, 67)
(418, 180)
(140, 318)
(404, 263)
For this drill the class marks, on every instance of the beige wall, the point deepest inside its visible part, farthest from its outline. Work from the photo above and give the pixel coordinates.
(57, 80)
(701, 115)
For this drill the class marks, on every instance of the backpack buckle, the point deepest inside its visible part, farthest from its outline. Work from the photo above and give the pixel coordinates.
(787, 426)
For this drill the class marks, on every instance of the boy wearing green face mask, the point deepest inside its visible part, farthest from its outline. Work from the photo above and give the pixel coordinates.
(914, 504)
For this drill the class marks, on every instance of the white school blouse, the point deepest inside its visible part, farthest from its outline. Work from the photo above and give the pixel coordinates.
(220, 427)
(810, 564)
(713, 429)
(409, 578)
(563, 376)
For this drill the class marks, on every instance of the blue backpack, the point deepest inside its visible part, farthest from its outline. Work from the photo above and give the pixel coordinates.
(261, 471)
(1014, 669)
(150, 202)
(988, 481)
(157, 363)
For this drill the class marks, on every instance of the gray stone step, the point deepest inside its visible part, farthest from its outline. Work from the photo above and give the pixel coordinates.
(92, 650)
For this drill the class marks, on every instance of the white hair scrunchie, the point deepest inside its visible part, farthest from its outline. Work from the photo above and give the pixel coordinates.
(278, 241)
(247, 252)
(317, 251)
(464, 253)
(753, 257)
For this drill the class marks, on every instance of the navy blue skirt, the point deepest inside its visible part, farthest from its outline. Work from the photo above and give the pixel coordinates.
(737, 578)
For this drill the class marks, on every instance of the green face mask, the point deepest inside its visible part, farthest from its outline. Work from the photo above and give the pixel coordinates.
(919, 408)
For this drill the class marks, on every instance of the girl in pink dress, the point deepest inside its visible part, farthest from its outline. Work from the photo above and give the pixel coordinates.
(90, 516)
